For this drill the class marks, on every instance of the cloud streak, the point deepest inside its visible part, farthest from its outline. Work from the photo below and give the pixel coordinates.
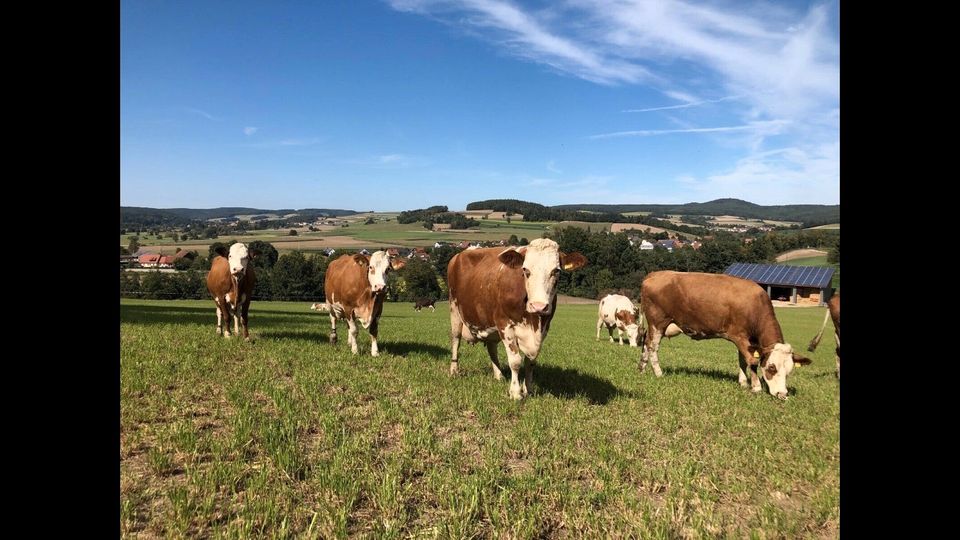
(761, 127)
(250, 130)
(204, 114)
(681, 106)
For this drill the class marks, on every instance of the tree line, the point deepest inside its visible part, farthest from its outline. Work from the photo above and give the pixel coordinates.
(614, 266)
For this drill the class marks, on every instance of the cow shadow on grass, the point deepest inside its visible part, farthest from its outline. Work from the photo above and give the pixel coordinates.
(570, 383)
(717, 375)
(201, 315)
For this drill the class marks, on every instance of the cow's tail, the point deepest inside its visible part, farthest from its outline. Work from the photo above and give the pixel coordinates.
(816, 340)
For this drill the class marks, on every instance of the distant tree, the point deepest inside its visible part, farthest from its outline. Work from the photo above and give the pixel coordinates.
(524, 241)
(420, 280)
(369, 221)
(134, 244)
(833, 256)
(184, 237)
(293, 232)
(210, 232)
(267, 255)
(513, 240)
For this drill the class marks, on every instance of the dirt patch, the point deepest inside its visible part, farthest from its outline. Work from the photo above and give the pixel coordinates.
(799, 254)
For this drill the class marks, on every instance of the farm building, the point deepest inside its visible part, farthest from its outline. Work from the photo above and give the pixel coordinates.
(798, 284)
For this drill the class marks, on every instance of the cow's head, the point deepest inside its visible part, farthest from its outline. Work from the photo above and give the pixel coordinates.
(630, 324)
(541, 262)
(379, 264)
(777, 365)
(239, 257)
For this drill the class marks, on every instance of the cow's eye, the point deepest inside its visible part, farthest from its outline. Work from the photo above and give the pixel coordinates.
(555, 272)
(526, 273)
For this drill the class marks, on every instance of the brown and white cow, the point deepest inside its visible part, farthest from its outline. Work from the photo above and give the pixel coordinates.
(705, 306)
(355, 286)
(833, 311)
(230, 281)
(617, 311)
(507, 295)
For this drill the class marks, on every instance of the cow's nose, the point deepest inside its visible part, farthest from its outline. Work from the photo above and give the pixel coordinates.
(538, 307)
(782, 395)
(377, 288)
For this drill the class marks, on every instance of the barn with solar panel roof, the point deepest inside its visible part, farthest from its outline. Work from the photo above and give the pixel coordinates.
(808, 285)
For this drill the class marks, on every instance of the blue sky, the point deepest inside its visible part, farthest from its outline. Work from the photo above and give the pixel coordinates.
(400, 104)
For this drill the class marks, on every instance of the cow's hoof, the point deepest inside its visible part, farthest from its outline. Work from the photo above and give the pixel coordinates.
(497, 375)
(374, 354)
(454, 370)
(756, 389)
(227, 335)
(515, 395)
(333, 340)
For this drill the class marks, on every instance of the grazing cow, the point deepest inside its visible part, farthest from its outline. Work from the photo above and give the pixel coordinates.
(355, 286)
(319, 306)
(833, 311)
(617, 311)
(230, 281)
(422, 303)
(507, 295)
(705, 306)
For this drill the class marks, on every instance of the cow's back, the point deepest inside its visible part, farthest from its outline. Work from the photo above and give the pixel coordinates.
(705, 302)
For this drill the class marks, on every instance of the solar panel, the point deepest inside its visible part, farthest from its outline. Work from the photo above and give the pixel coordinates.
(783, 275)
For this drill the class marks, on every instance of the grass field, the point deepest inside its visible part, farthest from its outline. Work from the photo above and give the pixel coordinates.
(289, 436)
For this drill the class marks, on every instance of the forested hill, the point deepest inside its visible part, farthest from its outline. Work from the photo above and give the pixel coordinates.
(149, 217)
(809, 214)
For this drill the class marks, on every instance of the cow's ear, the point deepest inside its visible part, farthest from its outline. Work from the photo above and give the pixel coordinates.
(802, 360)
(361, 259)
(397, 264)
(222, 251)
(572, 261)
(511, 258)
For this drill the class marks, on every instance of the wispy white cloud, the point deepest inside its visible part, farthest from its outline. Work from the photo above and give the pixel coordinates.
(250, 130)
(777, 67)
(552, 167)
(765, 128)
(390, 161)
(204, 114)
(682, 106)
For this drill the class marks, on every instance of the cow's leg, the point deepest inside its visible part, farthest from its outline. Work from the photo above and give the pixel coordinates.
(651, 347)
(599, 324)
(620, 335)
(515, 358)
(492, 351)
(746, 357)
(236, 319)
(527, 378)
(333, 327)
(456, 327)
(837, 335)
(433, 309)
(227, 316)
(352, 331)
(374, 330)
(219, 318)
(245, 318)
(742, 376)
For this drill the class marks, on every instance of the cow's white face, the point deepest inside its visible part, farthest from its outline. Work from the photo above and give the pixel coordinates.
(779, 365)
(541, 262)
(633, 332)
(380, 264)
(239, 257)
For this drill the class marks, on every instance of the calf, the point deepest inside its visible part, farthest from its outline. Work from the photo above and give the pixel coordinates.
(617, 311)
(833, 312)
(355, 286)
(705, 306)
(507, 295)
(230, 281)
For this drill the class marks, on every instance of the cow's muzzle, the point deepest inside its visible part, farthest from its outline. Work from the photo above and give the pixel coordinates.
(782, 396)
(538, 307)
